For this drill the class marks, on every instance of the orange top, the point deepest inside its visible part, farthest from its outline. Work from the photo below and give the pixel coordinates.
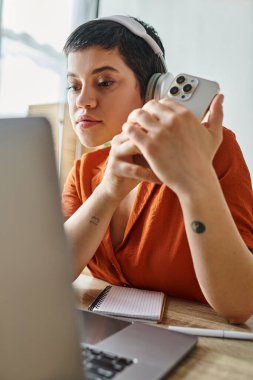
(154, 253)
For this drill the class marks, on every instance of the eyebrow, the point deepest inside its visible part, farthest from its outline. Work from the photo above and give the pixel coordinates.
(96, 71)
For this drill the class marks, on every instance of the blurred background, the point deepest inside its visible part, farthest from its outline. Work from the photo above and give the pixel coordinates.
(208, 38)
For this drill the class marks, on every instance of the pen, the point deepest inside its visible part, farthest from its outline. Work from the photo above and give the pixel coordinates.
(213, 333)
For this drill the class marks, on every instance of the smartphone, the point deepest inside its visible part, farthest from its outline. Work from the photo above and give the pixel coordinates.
(193, 92)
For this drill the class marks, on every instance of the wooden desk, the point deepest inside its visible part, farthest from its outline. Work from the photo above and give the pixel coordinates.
(213, 358)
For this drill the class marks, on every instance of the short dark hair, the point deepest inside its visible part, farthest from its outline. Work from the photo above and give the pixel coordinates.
(136, 53)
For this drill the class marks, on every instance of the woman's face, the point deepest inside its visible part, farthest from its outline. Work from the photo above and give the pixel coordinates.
(102, 92)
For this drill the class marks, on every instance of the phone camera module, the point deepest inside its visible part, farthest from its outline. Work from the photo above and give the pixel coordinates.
(187, 88)
(180, 79)
(174, 90)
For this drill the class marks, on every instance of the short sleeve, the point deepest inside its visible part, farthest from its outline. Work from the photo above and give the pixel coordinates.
(71, 198)
(235, 181)
(83, 178)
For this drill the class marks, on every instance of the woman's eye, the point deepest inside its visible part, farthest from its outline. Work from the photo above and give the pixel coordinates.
(105, 83)
(73, 87)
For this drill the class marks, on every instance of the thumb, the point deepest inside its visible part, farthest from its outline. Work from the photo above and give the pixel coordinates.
(215, 117)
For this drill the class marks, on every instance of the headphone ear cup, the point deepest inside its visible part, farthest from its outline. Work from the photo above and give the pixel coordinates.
(150, 91)
(158, 86)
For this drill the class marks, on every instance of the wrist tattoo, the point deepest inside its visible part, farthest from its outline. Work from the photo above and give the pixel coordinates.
(94, 220)
(198, 227)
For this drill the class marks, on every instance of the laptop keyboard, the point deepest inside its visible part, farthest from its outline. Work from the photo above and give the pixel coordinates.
(100, 365)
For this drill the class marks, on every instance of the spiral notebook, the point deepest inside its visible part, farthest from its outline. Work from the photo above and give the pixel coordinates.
(130, 303)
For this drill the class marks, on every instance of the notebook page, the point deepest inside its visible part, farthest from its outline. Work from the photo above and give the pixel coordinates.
(131, 302)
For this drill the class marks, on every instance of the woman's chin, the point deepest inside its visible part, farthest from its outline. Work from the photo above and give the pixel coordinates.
(92, 144)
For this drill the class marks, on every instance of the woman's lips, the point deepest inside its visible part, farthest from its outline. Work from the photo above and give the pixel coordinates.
(84, 124)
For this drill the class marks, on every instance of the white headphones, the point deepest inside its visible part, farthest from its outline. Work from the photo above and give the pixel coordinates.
(159, 83)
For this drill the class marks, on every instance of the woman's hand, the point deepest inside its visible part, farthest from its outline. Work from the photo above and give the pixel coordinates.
(121, 175)
(177, 147)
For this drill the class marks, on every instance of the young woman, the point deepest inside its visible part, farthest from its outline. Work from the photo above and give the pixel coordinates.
(183, 225)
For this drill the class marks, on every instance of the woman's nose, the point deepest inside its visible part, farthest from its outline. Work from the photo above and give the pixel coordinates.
(86, 98)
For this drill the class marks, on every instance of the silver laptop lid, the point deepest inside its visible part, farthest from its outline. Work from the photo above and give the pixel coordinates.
(38, 334)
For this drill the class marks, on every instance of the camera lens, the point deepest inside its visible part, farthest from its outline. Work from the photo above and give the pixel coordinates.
(187, 88)
(180, 79)
(174, 90)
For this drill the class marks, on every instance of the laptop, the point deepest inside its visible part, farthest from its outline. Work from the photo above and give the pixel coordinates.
(42, 335)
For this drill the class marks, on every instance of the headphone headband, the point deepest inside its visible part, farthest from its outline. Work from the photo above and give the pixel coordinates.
(136, 28)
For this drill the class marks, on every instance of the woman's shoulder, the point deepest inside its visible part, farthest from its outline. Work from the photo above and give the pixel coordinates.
(229, 151)
(229, 137)
(229, 162)
(83, 172)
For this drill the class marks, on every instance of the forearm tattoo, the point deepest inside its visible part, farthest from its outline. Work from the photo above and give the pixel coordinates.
(94, 220)
(198, 227)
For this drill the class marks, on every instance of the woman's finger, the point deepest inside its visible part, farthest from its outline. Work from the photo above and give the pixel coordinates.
(126, 148)
(143, 119)
(137, 172)
(137, 135)
(215, 116)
